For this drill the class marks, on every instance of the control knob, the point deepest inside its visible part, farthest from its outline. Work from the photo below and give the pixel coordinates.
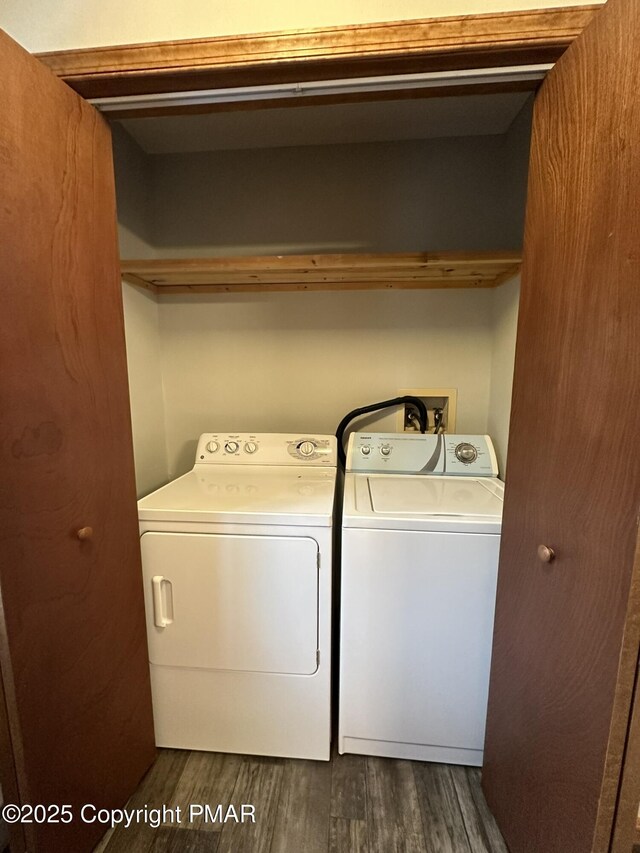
(466, 453)
(250, 447)
(212, 446)
(385, 450)
(231, 447)
(365, 450)
(306, 448)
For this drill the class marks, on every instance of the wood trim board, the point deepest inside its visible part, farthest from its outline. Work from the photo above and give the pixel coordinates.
(322, 272)
(395, 47)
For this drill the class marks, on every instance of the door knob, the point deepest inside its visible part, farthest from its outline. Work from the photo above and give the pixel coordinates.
(85, 533)
(546, 554)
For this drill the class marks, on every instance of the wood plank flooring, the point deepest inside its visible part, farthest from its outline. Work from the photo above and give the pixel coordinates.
(352, 804)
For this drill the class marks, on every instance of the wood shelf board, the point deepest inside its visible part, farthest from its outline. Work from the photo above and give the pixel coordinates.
(322, 272)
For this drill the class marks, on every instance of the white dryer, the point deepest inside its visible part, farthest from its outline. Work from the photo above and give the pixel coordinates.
(236, 558)
(420, 541)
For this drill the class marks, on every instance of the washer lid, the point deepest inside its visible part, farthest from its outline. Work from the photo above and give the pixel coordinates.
(423, 503)
(433, 496)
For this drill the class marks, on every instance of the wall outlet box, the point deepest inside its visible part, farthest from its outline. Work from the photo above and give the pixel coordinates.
(433, 398)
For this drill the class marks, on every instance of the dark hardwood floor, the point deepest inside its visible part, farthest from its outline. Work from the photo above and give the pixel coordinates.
(352, 804)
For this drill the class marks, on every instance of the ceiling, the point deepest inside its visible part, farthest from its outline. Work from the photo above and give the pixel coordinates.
(368, 121)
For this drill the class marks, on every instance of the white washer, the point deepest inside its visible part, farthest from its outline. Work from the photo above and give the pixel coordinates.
(236, 558)
(420, 541)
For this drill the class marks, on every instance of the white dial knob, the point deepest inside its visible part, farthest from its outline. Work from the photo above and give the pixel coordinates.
(213, 446)
(385, 450)
(231, 447)
(466, 453)
(306, 448)
(365, 450)
(250, 447)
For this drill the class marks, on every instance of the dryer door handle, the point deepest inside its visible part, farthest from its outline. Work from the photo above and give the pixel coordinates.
(160, 617)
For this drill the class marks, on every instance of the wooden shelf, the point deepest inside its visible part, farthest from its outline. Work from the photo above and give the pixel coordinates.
(323, 272)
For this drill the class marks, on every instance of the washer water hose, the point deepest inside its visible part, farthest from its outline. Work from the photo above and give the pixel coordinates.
(374, 407)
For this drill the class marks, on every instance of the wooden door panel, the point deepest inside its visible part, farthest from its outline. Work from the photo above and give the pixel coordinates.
(74, 647)
(559, 678)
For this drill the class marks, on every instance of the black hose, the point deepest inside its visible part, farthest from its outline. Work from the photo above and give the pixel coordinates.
(374, 407)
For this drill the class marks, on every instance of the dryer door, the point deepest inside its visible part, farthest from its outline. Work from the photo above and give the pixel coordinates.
(230, 602)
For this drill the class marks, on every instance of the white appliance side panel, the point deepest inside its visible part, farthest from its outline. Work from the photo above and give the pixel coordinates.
(241, 712)
(232, 602)
(417, 616)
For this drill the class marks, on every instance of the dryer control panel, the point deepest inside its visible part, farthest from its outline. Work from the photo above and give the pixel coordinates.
(411, 453)
(266, 448)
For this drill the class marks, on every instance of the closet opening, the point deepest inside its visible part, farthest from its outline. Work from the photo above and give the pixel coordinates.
(284, 265)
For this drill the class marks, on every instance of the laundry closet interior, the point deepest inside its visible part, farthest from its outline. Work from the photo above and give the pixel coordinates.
(440, 178)
(309, 222)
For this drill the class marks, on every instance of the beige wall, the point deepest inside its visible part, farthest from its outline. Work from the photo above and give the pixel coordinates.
(517, 145)
(300, 361)
(145, 387)
(133, 180)
(44, 25)
(506, 300)
(142, 330)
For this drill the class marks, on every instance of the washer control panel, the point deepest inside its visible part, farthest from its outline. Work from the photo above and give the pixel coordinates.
(266, 449)
(411, 453)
